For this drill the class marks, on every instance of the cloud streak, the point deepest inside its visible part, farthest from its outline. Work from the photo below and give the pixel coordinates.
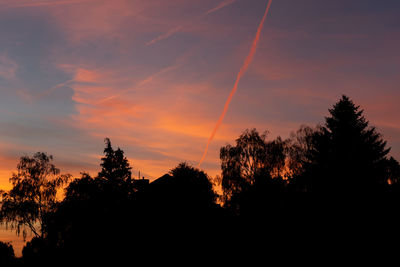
(45, 3)
(242, 71)
(220, 6)
(180, 27)
(165, 35)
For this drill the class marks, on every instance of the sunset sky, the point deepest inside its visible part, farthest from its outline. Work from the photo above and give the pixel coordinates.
(154, 75)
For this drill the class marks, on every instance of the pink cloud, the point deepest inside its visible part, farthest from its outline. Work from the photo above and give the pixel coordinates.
(24, 3)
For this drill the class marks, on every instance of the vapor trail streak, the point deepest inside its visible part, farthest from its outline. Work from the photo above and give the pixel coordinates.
(180, 27)
(165, 35)
(221, 5)
(242, 71)
(46, 3)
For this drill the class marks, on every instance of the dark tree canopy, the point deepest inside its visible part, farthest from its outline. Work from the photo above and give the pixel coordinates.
(83, 189)
(185, 191)
(393, 171)
(350, 155)
(254, 163)
(194, 183)
(300, 150)
(7, 256)
(33, 194)
(115, 166)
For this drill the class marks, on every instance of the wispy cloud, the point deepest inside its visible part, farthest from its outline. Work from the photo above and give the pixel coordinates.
(53, 89)
(44, 3)
(180, 27)
(157, 74)
(143, 82)
(218, 7)
(165, 35)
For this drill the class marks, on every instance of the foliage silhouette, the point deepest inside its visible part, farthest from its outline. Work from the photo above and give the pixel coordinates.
(33, 194)
(7, 256)
(326, 173)
(185, 194)
(251, 169)
(347, 155)
(301, 156)
(393, 174)
(179, 206)
(170, 208)
(35, 252)
(115, 166)
(90, 206)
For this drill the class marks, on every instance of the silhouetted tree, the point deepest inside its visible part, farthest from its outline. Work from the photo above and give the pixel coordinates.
(95, 213)
(35, 253)
(115, 166)
(349, 154)
(33, 194)
(7, 257)
(178, 206)
(76, 226)
(276, 156)
(393, 174)
(300, 148)
(252, 169)
(184, 190)
(301, 153)
(195, 183)
(82, 189)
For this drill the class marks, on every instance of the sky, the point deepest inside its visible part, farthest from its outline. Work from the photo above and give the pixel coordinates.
(154, 75)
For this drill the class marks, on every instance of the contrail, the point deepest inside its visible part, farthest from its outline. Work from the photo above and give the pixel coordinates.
(221, 5)
(52, 89)
(242, 71)
(143, 82)
(180, 27)
(47, 3)
(165, 35)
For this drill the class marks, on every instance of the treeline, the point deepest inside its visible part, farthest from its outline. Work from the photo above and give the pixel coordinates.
(340, 169)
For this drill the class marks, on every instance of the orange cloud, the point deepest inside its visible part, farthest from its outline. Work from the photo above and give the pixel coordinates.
(86, 76)
(170, 133)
